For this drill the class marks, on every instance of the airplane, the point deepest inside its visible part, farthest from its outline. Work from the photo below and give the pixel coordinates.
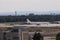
(38, 23)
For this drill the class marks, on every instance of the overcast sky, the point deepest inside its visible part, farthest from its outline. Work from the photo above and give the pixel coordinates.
(29, 5)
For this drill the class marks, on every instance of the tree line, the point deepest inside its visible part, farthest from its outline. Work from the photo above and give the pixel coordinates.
(22, 18)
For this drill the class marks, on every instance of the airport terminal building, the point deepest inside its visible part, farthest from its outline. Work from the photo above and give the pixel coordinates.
(26, 32)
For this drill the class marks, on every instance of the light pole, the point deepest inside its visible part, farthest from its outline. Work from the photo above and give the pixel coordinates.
(15, 13)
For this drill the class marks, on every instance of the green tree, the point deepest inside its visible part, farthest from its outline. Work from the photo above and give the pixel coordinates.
(58, 36)
(37, 36)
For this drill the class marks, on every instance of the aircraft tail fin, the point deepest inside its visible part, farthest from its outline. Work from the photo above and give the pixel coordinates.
(28, 20)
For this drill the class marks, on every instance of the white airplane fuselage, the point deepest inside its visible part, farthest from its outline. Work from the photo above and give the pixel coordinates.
(38, 23)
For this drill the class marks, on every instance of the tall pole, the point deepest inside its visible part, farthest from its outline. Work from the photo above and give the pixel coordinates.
(15, 13)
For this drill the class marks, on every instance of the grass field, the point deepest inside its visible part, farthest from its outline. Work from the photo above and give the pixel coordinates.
(9, 24)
